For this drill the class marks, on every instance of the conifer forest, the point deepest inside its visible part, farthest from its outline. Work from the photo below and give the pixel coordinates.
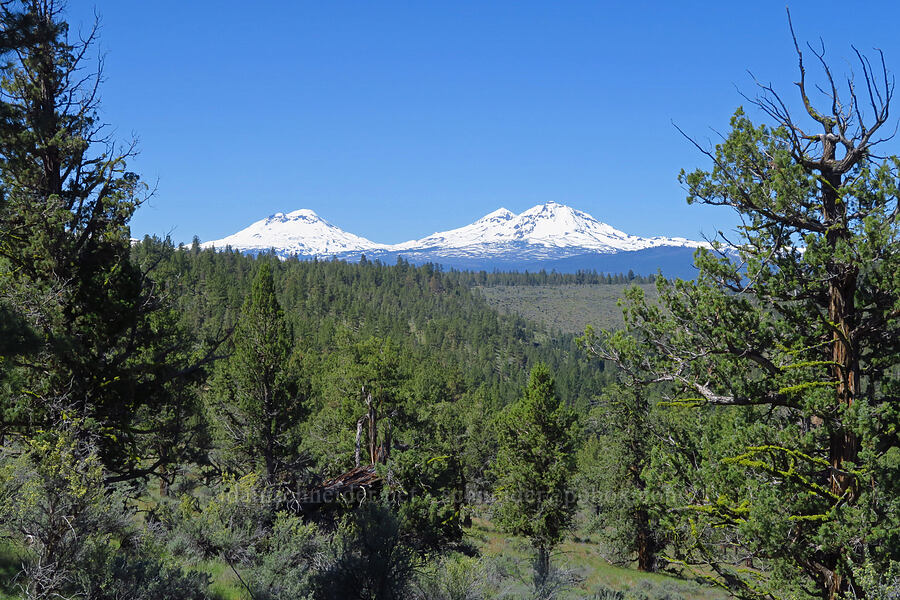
(180, 422)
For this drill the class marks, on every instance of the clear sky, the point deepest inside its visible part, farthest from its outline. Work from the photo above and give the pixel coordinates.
(393, 120)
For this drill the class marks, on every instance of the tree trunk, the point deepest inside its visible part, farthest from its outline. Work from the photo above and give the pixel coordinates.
(385, 453)
(845, 370)
(163, 479)
(270, 462)
(373, 431)
(843, 445)
(646, 549)
(541, 567)
(644, 543)
(359, 429)
(269, 433)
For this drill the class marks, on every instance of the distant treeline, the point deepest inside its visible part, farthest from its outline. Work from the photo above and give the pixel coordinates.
(542, 277)
(495, 278)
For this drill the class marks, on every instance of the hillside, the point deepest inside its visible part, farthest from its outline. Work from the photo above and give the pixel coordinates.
(433, 315)
(568, 308)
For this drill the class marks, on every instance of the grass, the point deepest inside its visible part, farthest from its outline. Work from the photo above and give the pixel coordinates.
(224, 584)
(585, 560)
(10, 564)
(566, 308)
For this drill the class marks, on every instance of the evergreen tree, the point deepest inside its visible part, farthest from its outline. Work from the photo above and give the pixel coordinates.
(534, 467)
(611, 472)
(261, 394)
(788, 355)
(105, 345)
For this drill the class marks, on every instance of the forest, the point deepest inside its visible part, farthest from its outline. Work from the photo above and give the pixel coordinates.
(186, 423)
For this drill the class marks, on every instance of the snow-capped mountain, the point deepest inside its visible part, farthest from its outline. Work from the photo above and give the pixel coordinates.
(551, 236)
(301, 233)
(545, 229)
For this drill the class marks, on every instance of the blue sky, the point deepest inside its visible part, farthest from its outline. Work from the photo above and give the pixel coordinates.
(394, 120)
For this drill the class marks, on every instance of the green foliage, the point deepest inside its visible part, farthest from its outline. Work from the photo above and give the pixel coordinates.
(877, 584)
(286, 565)
(751, 434)
(90, 333)
(612, 481)
(354, 372)
(416, 418)
(53, 497)
(645, 590)
(781, 365)
(111, 575)
(370, 559)
(79, 537)
(454, 577)
(332, 305)
(104, 352)
(437, 361)
(272, 554)
(428, 498)
(260, 394)
(534, 466)
(228, 525)
(626, 429)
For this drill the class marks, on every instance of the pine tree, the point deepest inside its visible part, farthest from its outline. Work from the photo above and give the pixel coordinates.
(534, 467)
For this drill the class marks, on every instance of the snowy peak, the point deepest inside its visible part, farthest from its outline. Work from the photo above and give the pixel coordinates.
(550, 225)
(304, 214)
(554, 224)
(498, 216)
(300, 232)
(544, 232)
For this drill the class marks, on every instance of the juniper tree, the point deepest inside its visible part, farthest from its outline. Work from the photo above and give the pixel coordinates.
(535, 464)
(260, 392)
(788, 347)
(624, 429)
(106, 347)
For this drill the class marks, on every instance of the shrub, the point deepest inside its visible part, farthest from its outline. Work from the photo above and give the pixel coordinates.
(369, 558)
(455, 577)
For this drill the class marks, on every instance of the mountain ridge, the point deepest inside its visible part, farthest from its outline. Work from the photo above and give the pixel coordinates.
(549, 235)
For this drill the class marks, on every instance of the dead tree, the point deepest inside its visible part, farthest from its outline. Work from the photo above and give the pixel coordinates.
(377, 453)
